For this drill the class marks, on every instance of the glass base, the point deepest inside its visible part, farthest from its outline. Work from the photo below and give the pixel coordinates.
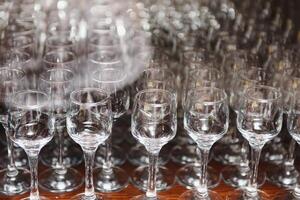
(83, 197)
(184, 154)
(283, 177)
(138, 156)
(241, 195)
(66, 181)
(40, 198)
(286, 196)
(118, 156)
(193, 195)
(14, 185)
(143, 197)
(188, 176)
(20, 158)
(164, 178)
(233, 177)
(110, 182)
(228, 154)
(72, 156)
(274, 153)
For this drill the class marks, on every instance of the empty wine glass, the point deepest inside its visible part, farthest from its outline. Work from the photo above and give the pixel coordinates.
(153, 123)
(13, 180)
(153, 78)
(206, 118)
(293, 129)
(259, 120)
(188, 175)
(59, 83)
(108, 177)
(32, 127)
(89, 122)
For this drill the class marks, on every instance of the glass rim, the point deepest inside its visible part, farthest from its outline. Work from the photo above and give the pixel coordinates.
(60, 36)
(57, 51)
(108, 81)
(274, 90)
(13, 69)
(90, 104)
(70, 72)
(201, 89)
(29, 107)
(141, 92)
(114, 61)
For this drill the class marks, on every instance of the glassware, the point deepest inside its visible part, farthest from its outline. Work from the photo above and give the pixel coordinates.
(110, 178)
(259, 120)
(13, 180)
(154, 122)
(89, 122)
(188, 175)
(153, 78)
(206, 118)
(238, 175)
(32, 127)
(59, 83)
(72, 155)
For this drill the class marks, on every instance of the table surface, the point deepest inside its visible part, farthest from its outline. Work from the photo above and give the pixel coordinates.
(131, 191)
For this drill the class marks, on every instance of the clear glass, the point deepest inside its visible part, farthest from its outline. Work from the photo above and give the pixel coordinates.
(110, 178)
(13, 180)
(206, 119)
(259, 120)
(294, 130)
(89, 123)
(157, 76)
(59, 83)
(32, 127)
(153, 123)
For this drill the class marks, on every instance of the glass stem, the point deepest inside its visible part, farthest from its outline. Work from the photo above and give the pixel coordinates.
(244, 164)
(12, 169)
(89, 156)
(291, 152)
(202, 188)
(33, 164)
(60, 168)
(251, 190)
(107, 166)
(151, 187)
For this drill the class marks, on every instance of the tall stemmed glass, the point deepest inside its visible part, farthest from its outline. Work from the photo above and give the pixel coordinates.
(294, 130)
(206, 118)
(72, 154)
(89, 122)
(188, 175)
(153, 78)
(153, 123)
(13, 180)
(32, 127)
(286, 174)
(237, 175)
(58, 83)
(259, 120)
(110, 178)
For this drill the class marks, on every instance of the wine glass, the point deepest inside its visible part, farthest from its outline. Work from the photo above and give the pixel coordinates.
(89, 122)
(110, 178)
(238, 174)
(153, 123)
(259, 120)
(188, 175)
(13, 180)
(31, 127)
(293, 129)
(58, 83)
(72, 153)
(206, 118)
